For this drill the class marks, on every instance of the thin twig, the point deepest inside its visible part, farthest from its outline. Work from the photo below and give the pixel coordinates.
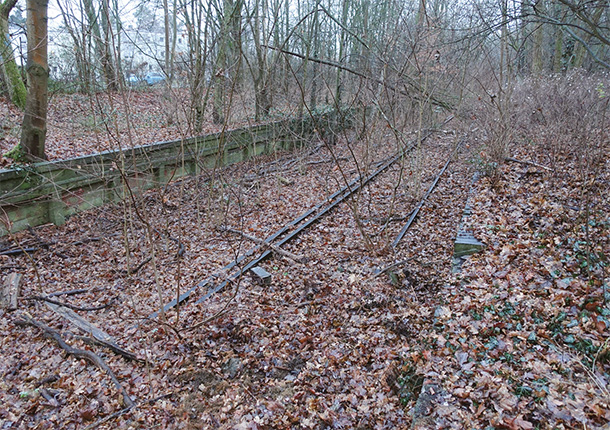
(531, 163)
(69, 292)
(87, 240)
(221, 312)
(78, 353)
(19, 251)
(122, 352)
(11, 266)
(390, 267)
(68, 305)
(134, 270)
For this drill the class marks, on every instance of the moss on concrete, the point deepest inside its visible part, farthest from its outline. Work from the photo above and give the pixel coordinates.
(16, 153)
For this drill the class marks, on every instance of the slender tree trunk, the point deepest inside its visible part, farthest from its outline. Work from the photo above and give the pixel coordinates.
(262, 101)
(82, 46)
(342, 43)
(523, 54)
(117, 45)
(167, 67)
(315, 39)
(229, 58)
(108, 62)
(286, 63)
(100, 42)
(557, 56)
(503, 41)
(8, 67)
(34, 128)
(538, 51)
(422, 15)
(220, 75)
(579, 56)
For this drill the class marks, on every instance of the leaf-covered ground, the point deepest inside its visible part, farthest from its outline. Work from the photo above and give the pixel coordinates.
(81, 124)
(521, 335)
(516, 340)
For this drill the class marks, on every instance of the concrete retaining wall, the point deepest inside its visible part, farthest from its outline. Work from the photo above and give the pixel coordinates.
(46, 192)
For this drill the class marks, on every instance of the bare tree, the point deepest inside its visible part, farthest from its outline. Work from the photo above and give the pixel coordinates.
(34, 127)
(8, 68)
(228, 59)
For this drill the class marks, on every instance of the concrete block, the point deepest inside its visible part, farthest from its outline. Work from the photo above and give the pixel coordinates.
(467, 246)
(261, 275)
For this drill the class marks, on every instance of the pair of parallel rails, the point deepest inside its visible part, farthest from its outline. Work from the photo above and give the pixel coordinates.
(292, 229)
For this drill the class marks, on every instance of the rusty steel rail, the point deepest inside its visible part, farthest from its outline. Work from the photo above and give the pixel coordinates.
(422, 202)
(310, 217)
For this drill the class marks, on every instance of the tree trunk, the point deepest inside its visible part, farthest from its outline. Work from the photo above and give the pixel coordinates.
(197, 24)
(580, 49)
(108, 62)
(102, 50)
(342, 49)
(228, 60)
(220, 82)
(82, 49)
(537, 42)
(557, 56)
(503, 41)
(8, 67)
(34, 128)
(315, 39)
(261, 74)
(523, 56)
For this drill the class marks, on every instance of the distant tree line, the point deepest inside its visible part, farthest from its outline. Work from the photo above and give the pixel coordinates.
(320, 52)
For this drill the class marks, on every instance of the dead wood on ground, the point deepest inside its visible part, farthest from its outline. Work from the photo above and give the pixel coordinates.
(79, 353)
(99, 335)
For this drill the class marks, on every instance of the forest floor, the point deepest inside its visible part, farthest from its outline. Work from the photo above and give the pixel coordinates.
(81, 124)
(517, 340)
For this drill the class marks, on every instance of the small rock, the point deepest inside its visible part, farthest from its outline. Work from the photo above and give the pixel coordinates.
(442, 312)
(232, 367)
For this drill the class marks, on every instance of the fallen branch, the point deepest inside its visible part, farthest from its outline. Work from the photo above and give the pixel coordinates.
(9, 293)
(99, 335)
(390, 267)
(274, 248)
(69, 292)
(87, 240)
(127, 409)
(68, 305)
(134, 270)
(530, 163)
(329, 160)
(11, 266)
(79, 353)
(41, 242)
(18, 251)
(221, 312)
(49, 397)
(181, 247)
(284, 181)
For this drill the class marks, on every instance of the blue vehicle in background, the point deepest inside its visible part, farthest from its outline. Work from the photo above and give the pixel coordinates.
(151, 78)
(154, 78)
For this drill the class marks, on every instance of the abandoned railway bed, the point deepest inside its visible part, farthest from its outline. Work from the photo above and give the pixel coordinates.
(250, 260)
(276, 339)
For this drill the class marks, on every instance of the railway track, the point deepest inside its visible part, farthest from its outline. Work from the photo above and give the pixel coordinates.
(294, 228)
